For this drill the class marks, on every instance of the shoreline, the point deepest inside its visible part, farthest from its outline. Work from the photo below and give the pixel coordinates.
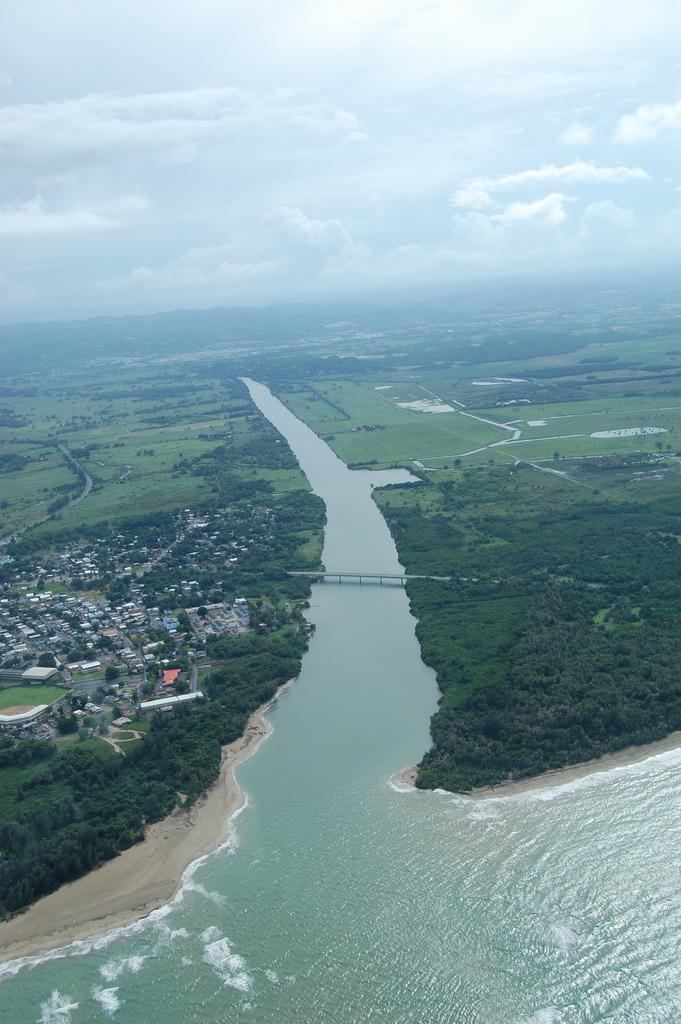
(623, 758)
(145, 877)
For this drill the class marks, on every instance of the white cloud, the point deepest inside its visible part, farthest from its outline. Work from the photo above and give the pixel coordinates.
(31, 218)
(102, 128)
(647, 121)
(308, 241)
(607, 219)
(549, 210)
(471, 199)
(388, 106)
(579, 172)
(577, 134)
(288, 248)
(475, 194)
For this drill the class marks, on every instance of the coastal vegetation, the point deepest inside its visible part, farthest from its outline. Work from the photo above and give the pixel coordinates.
(64, 811)
(72, 802)
(549, 493)
(555, 640)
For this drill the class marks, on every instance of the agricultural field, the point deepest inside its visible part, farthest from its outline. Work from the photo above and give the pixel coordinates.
(365, 425)
(590, 399)
(146, 441)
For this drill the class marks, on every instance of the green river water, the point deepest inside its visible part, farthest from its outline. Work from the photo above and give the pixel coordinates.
(344, 897)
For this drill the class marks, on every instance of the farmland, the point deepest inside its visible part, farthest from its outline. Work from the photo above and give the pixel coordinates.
(146, 442)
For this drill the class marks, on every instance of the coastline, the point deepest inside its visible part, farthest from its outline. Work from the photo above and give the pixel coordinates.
(144, 877)
(564, 776)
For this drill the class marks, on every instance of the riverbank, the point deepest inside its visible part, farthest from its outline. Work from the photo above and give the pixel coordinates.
(563, 776)
(146, 876)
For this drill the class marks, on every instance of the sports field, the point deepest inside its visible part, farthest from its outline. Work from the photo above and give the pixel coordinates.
(27, 697)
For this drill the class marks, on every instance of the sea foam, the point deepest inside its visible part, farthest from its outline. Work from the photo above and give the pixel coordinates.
(129, 964)
(229, 966)
(57, 1009)
(107, 999)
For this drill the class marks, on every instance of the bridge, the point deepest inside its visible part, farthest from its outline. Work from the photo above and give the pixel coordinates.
(321, 576)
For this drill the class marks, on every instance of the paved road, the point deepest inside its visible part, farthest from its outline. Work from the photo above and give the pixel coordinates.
(87, 487)
(79, 469)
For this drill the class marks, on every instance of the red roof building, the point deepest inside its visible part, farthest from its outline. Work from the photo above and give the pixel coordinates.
(170, 676)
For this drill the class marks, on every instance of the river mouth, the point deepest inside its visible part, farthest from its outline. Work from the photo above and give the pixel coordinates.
(345, 899)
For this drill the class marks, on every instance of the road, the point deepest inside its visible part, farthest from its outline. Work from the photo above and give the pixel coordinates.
(81, 472)
(87, 487)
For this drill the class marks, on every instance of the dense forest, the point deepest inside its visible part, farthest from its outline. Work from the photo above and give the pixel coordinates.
(556, 641)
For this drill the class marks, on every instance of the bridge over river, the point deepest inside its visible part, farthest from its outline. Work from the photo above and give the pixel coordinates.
(321, 576)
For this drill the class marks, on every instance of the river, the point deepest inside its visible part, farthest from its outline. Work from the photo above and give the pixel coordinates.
(346, 898)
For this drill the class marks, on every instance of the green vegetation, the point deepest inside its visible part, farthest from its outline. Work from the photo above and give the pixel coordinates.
(365, 426)
(62, 813)
(557, 638)
(14, 696)
(187, 439)
(555, 642)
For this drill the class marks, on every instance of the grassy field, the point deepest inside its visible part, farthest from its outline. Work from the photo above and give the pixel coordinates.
(31, 696)
(140, 436)
(364, 426)
(610, 379)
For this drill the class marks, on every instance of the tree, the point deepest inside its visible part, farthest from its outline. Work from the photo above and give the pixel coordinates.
(67, 724)
(46, 660)
(111, 673)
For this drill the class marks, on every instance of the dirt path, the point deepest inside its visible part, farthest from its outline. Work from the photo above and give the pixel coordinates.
(116, 739)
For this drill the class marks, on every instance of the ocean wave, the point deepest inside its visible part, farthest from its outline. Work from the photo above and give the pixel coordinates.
(229, 966)
(57, 1009)
(400, 785)
(107, 999)
(547, 1015)
(128, 964)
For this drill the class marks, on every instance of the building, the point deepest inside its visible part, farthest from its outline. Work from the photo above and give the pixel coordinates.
(169, 702)
(170, 676)
(24, 717)
(39, 675)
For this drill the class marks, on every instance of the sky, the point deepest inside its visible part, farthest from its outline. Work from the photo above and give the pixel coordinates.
(171, 154)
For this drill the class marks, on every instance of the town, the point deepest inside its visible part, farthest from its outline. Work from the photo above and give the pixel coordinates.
(95, 634)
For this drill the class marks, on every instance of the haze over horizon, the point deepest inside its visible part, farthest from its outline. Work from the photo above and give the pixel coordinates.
(246, 154)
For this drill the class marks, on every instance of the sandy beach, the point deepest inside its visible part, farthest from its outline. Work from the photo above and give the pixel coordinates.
(140, 879)
(563, 776)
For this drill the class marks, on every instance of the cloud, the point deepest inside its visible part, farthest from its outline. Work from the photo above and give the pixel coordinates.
(606, 219)
(577, 134)
(647, 121)
(549, 210)
(288, 248)
(471, 199)
(579, 172)
(31, 218)
(104, 128)
(307, 241)
(476, 193)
